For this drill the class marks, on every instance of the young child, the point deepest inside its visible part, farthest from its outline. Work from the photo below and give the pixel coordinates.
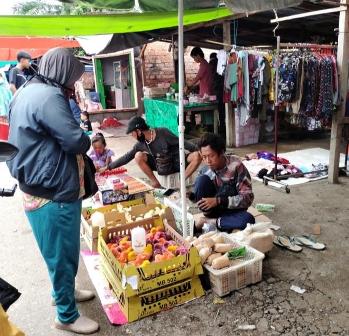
(85, 122)
(100, 154)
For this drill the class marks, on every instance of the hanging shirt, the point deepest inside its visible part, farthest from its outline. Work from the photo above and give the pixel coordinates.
(222, 61)
(243, 109)
(233, 81)
(205, 76)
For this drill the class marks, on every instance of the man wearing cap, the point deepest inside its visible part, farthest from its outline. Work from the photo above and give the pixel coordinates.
(17, 76)
(157, 150)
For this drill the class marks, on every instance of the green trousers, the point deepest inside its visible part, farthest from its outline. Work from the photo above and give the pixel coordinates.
(56, 227)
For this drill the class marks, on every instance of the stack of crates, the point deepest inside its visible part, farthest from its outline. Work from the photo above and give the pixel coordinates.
(143, 291)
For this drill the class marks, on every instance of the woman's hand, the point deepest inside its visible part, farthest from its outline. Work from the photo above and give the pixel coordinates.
(207, 203)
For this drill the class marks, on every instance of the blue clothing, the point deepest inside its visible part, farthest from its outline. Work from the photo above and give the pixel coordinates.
(44, 130)
(5, 96)
(56, 227)
(75, 109)
(227, 219)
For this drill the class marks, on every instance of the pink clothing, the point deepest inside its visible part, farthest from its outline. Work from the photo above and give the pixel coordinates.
(205, 76)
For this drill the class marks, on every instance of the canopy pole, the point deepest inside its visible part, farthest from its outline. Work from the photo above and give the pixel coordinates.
(276, 106)
(181, 127)
(338, 117)
(229, 112)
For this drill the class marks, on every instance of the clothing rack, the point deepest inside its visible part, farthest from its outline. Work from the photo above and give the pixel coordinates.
(277, 178)
(308, 45)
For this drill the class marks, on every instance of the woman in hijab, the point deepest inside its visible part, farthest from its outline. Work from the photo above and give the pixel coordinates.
(50, 170)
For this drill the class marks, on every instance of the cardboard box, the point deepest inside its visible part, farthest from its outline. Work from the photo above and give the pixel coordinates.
(114, 218)
(89, 231)
(132, 280)
(146, 304)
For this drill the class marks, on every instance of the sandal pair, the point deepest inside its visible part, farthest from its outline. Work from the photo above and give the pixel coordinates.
(295, 243)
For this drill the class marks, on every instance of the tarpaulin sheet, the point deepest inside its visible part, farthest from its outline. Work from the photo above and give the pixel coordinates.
(36, 47)
(172, 5)
(103, 23)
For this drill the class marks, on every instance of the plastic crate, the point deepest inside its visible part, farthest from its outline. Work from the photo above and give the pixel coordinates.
(137, 280)
(177, 213)
(248, 271)
(173, 181)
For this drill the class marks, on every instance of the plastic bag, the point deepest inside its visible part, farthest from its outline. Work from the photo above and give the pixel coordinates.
(8, 294)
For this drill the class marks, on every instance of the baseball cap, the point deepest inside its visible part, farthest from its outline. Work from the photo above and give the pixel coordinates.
(136, 123)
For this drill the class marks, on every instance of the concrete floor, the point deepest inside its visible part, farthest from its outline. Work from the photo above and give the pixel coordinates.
(270, 305)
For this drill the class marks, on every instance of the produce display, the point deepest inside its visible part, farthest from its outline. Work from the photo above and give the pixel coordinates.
(112, 172)
(159, 247)
(215, 252)
(130, 218)
(135, 186)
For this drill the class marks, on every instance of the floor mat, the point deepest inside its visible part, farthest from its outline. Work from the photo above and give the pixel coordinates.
(302, 159)
(108, 300)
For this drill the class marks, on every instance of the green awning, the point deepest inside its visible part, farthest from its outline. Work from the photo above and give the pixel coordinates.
(171, 5)
(103, 24)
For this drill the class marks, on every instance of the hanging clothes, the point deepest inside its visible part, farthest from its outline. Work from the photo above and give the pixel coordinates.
(233, 81)
(297, 103)
(243, 108)
(288, 74)
(222, 61)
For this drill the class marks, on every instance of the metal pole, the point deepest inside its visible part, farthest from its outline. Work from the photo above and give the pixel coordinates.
(276, 105)
(181, 127)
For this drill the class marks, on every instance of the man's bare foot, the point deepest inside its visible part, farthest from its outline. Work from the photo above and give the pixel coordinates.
(200, 223)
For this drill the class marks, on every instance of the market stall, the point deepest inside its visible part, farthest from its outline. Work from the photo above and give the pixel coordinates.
(147, 264)
(162, 112)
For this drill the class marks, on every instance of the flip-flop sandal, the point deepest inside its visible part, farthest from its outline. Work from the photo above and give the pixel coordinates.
(308, 241)
(286, 242)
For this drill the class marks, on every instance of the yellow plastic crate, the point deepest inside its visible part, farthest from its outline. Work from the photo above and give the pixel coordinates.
(143, 305)
(137, 280)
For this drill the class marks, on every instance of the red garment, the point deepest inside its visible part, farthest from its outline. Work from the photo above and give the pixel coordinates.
(205, 76)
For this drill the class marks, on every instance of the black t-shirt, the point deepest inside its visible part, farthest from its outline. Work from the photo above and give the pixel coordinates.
(87, 125)
(17, 77)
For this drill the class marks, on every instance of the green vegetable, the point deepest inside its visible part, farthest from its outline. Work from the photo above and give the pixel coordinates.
(237, 253)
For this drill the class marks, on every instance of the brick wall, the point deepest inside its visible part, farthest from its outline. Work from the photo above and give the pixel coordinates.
(159, 67)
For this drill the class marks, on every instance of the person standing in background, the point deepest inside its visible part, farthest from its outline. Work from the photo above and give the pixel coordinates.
(17, 75)
(218, 88)
(204, 78)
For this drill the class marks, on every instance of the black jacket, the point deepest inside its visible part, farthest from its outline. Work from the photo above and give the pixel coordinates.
(48, 137)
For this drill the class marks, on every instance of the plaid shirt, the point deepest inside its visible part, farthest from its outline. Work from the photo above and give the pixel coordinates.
(233, 183)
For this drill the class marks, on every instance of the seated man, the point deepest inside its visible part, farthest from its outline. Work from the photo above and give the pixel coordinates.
(223, 190)
(157, 150)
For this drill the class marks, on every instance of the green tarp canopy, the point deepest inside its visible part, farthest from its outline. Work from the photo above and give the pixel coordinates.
(102, 24)
(240, 6)
(142, 15)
